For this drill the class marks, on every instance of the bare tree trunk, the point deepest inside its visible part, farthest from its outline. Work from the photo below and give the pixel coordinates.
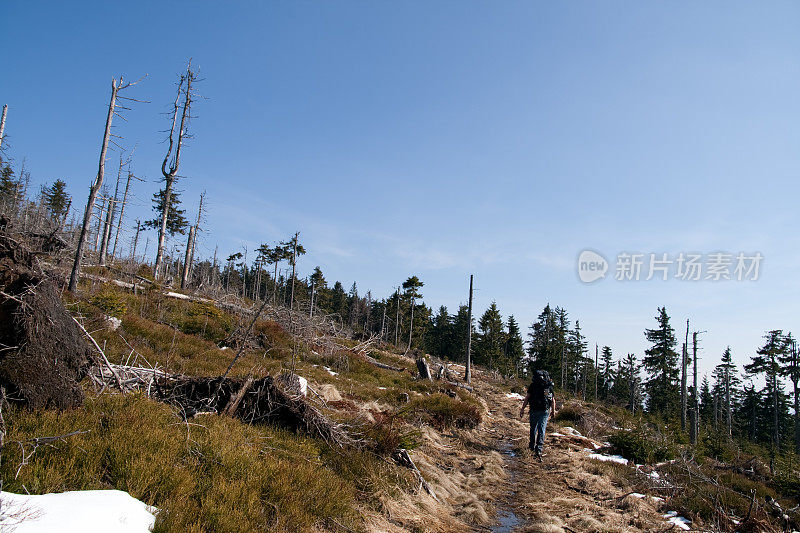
(411, 325)
(397, 317)
(122, 212)
(795, 377)
(188, 259)
(93, 190)
(170, 170)
(136, 240)
(468, 364)
(190, 244)
(696, 399)
(98, 234)
(3, 123)
(294, 261)
(684, 377)
(596, 362)
(110, 216)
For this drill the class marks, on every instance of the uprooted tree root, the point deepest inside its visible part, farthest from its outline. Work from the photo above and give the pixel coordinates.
(43, 355)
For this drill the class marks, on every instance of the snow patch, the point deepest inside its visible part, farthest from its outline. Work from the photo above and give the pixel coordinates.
(572, 431)
(331, 372)
(88, 511)
(609, 458)
(303, 385)
(515, 396)
(679, 521)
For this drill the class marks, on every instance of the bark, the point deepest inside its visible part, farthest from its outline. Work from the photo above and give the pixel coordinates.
(93, 190)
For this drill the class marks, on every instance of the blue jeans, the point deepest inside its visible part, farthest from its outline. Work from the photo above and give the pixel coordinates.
(538, 427)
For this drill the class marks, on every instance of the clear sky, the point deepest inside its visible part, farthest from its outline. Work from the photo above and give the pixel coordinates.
(447, 138)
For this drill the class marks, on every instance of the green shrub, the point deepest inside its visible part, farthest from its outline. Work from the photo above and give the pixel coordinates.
(569, 413)
(641, 446)
(442, 411)
(110, 302)
(203, 319)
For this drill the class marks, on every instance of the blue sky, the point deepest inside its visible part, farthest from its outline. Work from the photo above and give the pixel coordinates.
(447, 138)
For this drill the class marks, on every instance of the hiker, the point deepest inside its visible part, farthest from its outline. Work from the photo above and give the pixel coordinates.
(542, 403)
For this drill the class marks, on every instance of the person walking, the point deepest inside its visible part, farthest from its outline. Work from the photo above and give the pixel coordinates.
(542, 404)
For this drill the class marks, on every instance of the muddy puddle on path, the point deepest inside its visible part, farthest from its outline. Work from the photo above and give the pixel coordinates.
(508, 521)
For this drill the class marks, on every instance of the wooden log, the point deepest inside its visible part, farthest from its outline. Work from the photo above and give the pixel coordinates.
(235, 400)
(401, 457)
(372, 361)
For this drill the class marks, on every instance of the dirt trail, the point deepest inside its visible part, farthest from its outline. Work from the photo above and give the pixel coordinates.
(492, 482)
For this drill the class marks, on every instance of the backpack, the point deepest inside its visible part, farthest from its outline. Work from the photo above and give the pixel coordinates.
(540, 391)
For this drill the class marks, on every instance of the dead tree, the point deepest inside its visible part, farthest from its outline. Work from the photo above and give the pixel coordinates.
(110, 214)
(3, 124)
(169, 167)
(468, 365)
(95, 188)
(684, 363)
(693, 430)
(113, 107)
(122, 211)
(190, 242)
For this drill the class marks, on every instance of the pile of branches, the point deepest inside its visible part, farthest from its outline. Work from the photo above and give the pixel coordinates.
(264, 400)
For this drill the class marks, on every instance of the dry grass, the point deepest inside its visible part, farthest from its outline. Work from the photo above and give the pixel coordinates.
(213, 474)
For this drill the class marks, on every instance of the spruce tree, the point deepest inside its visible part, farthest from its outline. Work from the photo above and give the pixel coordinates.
(514, 351)
(56, 200)
(606, 372)
(491, 338)
(767, 362)
(726, 387)
(176, 222)
(661, 364)
(790, 368)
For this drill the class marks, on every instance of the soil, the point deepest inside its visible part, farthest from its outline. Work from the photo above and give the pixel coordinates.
(43, 354)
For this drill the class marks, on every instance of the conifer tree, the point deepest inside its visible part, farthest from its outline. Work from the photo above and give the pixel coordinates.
(726, 388)
(491, 339)
(661, 364)
(514, 351)
(56, 199)
(606, 372)
(790, 368)
(176, 221)
(767, 362)
(627, 385)
(339, 300)
(576, 360)
(412, 286)
(440, 336)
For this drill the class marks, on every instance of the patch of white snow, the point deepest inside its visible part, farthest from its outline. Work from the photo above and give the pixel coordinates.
(88, 511)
